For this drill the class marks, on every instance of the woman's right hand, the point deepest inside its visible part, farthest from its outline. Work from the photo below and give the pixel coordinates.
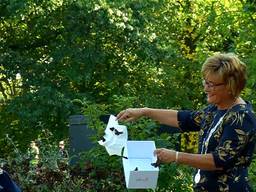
(130, 114)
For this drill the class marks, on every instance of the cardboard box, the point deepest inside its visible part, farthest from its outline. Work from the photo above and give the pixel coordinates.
(138, 171)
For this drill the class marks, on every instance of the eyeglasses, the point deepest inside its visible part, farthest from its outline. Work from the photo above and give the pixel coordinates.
(211, 85)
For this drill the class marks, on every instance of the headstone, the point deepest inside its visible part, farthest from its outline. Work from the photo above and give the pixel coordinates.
(80, 135)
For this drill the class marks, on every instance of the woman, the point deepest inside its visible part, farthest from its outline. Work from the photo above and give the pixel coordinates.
(227, 128)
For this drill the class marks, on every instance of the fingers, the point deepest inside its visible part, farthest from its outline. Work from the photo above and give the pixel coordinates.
(128, 119)
(125, 115)
(158, 152)
(120, 116)
(165, 155)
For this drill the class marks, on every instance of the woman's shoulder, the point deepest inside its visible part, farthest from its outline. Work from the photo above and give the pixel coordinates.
(244, 115)
(243, 108)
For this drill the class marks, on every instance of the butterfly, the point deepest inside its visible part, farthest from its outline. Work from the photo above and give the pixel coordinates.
(116, 131)
(156, 164)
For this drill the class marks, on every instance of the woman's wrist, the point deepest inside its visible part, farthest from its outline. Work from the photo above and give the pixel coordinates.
(144, 111)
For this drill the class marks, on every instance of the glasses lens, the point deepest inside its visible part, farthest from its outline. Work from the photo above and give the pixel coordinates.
(208, 84)
(211, 85)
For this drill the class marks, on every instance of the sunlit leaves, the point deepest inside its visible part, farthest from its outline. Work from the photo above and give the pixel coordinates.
(102, 50)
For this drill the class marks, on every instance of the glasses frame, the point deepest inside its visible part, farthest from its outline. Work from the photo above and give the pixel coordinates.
(212, 85)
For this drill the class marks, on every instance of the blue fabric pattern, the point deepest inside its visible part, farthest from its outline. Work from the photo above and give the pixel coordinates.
(7, 184)
(232, 145)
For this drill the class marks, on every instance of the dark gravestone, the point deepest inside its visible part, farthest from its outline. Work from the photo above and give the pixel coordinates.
(80, 135)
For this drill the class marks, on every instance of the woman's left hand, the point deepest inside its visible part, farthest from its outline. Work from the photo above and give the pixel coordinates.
(165, 155)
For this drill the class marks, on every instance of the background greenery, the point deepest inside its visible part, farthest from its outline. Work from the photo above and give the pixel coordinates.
(64, 57)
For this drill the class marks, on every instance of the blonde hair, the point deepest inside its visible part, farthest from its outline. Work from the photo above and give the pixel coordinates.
(229, 68)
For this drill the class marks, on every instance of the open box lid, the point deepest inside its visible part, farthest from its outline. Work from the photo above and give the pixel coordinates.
(141, 150)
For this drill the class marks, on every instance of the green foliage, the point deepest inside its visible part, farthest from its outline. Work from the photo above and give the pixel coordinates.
(96, 171)
(61, 58)
(180, 174)
(143, 129)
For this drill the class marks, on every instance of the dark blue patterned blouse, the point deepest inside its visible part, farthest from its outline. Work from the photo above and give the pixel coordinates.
(232, 145)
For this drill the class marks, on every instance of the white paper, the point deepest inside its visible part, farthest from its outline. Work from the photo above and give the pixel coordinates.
(138, 171)
(141, 150)
(115, 137)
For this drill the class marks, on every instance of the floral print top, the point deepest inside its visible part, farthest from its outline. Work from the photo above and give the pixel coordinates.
(232, 145)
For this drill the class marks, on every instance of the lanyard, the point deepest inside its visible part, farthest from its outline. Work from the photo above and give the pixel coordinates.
(206, 140)
(205, 146)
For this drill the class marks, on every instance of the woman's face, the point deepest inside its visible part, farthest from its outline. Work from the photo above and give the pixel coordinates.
(217, 91)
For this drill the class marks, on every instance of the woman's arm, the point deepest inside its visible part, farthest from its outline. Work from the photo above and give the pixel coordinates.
(163, 116)
(200, 161)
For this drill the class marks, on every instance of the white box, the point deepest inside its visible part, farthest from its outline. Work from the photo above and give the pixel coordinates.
(138, 171)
